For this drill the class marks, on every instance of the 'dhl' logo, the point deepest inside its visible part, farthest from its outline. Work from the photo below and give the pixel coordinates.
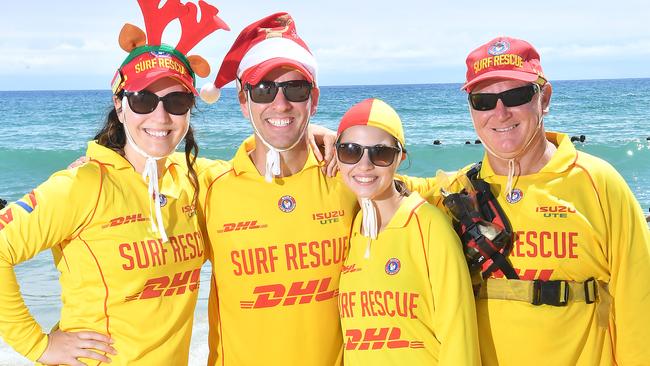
(378, 338)
(242, 225)
(122, 220)
(299, 292)
(351, 268)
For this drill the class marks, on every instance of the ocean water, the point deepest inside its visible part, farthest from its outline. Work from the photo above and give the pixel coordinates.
(43, 131)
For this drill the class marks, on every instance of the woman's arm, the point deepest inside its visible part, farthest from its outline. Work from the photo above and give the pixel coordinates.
(455, 313)
(56, 211)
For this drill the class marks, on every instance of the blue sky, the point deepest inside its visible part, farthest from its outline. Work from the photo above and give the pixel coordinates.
(72, 44)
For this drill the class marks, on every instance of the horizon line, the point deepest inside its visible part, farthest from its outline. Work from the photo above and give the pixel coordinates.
(344, 86)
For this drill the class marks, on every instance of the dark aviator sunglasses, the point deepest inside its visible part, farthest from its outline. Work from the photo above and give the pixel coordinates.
(265, 91)
(379, 155)
(144, 102)
(510, 98)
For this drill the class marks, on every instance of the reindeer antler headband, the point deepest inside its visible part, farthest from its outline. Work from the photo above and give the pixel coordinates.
(149, 59)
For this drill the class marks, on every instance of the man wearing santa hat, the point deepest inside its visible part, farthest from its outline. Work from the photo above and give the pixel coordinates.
(278, 226)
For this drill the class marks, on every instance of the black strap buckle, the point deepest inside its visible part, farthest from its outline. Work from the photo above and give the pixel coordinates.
(591, 291)
(555, 293)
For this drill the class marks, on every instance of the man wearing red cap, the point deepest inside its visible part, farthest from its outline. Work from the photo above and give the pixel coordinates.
(278, 226)
(581, 249)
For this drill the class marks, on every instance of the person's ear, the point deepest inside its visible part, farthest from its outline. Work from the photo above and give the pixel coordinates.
(315, 94)
(547, 91)
(117, 103)
(241, 96)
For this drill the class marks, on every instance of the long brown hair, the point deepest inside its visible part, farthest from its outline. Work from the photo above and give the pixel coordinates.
(113, 137)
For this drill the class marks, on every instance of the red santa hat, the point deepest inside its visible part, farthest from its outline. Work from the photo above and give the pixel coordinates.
(267, 44)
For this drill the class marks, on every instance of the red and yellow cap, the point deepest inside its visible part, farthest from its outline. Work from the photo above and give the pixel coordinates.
(504, 58)
(376, 113)
(150, 63)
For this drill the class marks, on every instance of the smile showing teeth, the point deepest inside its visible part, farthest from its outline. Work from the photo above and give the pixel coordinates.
(505, 129)
(156, 133)
(364, 180)
(279, 122)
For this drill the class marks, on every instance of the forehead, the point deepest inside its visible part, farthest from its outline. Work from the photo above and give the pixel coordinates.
(498, 85)
(284, 73)
(166, 83)
(367, 135)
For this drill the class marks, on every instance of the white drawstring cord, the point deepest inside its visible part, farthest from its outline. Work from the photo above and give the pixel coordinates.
(150, 176)
(272, 164)
(369, 222)
(369, 214)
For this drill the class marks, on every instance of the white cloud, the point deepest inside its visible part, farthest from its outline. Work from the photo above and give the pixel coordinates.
(376, 36)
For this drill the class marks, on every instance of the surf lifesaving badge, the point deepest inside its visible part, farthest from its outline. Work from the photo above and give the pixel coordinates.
(392, 266)
(515, 196)
(287, 203)
(163, 200)
(499, 48)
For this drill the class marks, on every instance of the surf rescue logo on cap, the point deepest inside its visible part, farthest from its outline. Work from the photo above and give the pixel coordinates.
(499, 48)
(287, 204)
(515, 196)
(392, 266)
(159, 54)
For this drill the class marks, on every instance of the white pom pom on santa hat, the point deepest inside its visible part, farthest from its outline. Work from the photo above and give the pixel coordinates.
(210, 93)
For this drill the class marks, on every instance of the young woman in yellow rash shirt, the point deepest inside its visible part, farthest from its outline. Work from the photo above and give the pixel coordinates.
(405, 294)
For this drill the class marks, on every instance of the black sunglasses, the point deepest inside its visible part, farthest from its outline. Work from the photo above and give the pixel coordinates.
(265, 91)
(510, 98)
(379, 155)
(144, 101)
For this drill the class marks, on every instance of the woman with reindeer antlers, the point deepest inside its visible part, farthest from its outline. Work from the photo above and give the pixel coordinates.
(122, 228)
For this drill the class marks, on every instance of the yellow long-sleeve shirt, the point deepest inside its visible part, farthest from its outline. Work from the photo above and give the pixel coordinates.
(573, 220)
(410, 302)
(117, 276)
(278, 249)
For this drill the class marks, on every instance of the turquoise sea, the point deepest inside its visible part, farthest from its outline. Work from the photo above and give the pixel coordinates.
(43, 131)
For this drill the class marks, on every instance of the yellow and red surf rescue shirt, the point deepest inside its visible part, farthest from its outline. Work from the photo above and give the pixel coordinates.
(117, 276)
(411, 301)
(277, 253)
(574, 220)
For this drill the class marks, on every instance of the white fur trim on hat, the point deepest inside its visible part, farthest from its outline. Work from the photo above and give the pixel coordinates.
(278, 47)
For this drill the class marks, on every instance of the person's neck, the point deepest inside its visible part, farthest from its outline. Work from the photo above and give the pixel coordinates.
(387, 205)
(138, 161)
(291, 161)
(530, 161)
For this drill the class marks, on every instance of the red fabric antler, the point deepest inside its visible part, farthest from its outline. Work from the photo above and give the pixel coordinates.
(156, 19)
(192, 31)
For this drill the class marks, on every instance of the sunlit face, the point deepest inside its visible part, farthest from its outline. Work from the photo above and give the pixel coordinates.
(364, 178)
(159, 132)
(507, 130)
(281, 122)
